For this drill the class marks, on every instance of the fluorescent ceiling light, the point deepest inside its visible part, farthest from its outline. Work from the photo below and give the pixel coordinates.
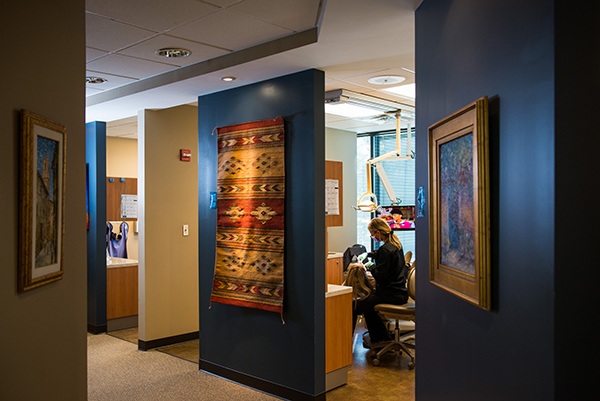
(408, 90)
(349, 110)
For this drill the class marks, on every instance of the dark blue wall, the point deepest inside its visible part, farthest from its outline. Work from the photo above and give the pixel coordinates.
(252, 342)
(95, 157)
(577, 86)
(503, 50)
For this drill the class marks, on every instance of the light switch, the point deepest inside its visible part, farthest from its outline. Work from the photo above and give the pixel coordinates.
(186, 230)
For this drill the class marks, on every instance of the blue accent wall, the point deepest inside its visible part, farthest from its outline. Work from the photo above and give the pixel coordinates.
(253, 342)
(95, 156)
(503, 50)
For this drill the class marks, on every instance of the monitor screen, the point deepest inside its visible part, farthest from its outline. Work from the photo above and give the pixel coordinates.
(398, 217)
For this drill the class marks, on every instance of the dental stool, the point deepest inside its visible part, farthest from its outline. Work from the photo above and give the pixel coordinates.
(401, 341)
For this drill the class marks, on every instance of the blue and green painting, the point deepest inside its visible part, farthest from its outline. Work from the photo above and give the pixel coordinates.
(46, 208)
(457, 204)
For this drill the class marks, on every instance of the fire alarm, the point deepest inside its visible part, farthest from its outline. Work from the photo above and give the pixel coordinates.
(185, 155)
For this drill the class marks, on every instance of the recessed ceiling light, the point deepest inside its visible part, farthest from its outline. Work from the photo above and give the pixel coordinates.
(386, 80)
(228, 79)
(95, 80)
(408, 90)
(173, 52)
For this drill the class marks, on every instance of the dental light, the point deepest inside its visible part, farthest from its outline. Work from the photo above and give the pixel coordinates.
(368, 202)
(360, 106)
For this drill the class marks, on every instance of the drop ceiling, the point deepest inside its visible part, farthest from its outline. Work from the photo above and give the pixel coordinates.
(252, 40)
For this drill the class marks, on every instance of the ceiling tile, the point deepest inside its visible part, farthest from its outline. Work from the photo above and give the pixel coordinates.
(330, 118)
(91, 54)
(337, 84)
(126, 66)
(393, 97)
(91, 91)
(229, 30)
(104, 34)
(129, 130)
(156, 15)
(222, 3)
(292, 14)
(147, 49)
(112, 81)
(350, 124)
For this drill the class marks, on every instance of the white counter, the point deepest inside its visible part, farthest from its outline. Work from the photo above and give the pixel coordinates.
(120, 262)
(332, 255)
(334, 290)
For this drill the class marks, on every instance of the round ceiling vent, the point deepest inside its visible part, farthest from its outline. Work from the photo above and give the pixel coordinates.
(173, 52)
(95, 80)
(386, 80)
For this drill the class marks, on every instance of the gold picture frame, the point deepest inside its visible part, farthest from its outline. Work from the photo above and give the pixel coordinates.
(459, 195)
(42, 201)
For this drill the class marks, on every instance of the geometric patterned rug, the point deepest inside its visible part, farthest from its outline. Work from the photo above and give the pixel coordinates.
(250, 215)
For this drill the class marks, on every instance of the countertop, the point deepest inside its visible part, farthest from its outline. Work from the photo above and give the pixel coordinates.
(334, 290)
(332, 255)
(120, 262)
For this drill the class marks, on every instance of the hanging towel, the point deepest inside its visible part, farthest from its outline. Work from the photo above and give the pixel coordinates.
(117, 244)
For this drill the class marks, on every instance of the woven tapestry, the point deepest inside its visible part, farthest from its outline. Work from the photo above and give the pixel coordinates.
(250, 203)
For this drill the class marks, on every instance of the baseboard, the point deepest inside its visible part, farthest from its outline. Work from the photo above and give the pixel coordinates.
(259, 384)
(163, 342)
(97, 329)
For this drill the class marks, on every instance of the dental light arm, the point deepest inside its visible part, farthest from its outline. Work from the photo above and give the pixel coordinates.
(367, 205)
(386, 184)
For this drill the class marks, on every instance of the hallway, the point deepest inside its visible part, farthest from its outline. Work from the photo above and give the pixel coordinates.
(118, 371)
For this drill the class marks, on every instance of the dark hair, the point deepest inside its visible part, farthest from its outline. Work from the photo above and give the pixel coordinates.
(397, 211)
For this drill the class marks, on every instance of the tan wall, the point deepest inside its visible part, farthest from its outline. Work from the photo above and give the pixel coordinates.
(167, 199)
(121, 157)
(43, 331)
(122, 161)
(341, 146)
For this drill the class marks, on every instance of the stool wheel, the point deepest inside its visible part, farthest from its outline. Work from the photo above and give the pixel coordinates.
(411, 365)
(375, 362)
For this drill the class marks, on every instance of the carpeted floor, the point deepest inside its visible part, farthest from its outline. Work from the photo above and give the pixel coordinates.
(190, 351)
(391, 380)
(118, 371)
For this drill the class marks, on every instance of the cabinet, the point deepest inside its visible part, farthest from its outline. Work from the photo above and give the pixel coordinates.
(338, 335)
(334, 271)
(121, 291)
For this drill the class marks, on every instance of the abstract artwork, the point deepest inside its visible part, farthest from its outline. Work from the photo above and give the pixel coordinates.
(250, 215)
(460, 208)
(43, 145)
(456, 204)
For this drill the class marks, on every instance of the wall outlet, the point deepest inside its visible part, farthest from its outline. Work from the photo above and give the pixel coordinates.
(186, 230)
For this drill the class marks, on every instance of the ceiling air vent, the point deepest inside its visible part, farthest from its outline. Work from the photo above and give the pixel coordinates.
(173, 52)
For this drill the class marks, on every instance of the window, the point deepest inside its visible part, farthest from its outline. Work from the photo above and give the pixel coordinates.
(401, 174)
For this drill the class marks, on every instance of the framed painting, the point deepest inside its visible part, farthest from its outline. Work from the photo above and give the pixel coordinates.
(459, 224)
(42, 201)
